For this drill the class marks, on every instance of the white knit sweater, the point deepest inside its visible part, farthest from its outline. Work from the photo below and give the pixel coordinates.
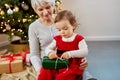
(40, 36)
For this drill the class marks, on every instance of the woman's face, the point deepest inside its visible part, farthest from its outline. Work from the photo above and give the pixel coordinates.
(45, 11)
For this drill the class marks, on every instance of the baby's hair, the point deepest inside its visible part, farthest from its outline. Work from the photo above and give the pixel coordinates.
(67, 15)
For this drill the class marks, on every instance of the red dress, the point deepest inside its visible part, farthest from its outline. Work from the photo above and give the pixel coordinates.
(64, 74)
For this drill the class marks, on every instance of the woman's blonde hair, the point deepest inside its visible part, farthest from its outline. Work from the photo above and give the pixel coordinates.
(39, 2)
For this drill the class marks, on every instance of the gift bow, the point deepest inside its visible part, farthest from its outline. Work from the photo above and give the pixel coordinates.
(63, 61)
(11, 58)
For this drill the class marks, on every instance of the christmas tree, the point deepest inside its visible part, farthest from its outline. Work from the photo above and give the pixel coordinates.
(15, 17)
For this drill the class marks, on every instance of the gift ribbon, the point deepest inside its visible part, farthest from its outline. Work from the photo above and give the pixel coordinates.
(63, 61)
(25, 55)
(10, 58)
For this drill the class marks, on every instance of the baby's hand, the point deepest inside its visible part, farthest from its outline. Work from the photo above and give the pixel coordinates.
(65, 55)
(52, 55)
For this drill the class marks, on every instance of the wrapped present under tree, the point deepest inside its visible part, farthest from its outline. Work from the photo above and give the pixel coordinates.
(11, 63)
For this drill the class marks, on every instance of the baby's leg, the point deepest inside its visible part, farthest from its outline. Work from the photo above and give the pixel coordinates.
(46, 74)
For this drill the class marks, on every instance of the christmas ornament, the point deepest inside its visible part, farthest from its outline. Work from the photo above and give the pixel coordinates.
(2, 12)
(24, 6)
(7, 6)
(24, 20)
(8, 27)
(16, 9)
(9, 11)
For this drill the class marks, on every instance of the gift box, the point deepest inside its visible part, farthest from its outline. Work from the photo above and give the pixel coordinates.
(26, 55)
(11, 63)
(54, 63)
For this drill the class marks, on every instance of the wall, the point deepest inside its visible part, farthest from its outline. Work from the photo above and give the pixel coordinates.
(99, 19)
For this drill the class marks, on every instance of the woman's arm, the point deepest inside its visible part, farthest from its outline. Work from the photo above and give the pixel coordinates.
(84, 64)
(34, 49)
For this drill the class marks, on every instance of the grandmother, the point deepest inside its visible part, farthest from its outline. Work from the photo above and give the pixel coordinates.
(42, 31)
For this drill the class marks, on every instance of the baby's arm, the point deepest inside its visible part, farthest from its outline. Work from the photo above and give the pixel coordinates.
(81, 52)
(50, 50)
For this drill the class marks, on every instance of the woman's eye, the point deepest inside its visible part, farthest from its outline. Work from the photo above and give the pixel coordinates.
(48, 7)
(40, 9)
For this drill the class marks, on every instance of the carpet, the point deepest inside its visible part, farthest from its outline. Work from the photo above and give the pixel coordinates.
(28, 74)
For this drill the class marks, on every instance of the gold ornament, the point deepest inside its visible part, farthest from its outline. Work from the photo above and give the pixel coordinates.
(2, 12)
(7, 6)
(24, 20)
(16, 9)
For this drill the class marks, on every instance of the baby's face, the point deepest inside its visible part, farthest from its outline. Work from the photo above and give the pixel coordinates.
(65, 28)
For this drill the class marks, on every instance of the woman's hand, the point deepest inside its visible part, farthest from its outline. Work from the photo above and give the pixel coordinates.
(52, 55)
(65, 55)
(84, 64)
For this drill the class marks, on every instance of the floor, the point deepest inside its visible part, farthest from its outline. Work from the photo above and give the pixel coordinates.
(104, 59)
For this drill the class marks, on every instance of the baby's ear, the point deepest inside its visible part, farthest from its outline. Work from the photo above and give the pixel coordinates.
(74, 25)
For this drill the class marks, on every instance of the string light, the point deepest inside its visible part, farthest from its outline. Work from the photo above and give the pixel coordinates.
(12, 34)
(12, 30)
(29, 20)
(4, 30)
(1, 23)
(3, 17)
(1, 27)
(13, 19)
(19, 20)
(8, 21)
(30, 16)
(25, 36)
